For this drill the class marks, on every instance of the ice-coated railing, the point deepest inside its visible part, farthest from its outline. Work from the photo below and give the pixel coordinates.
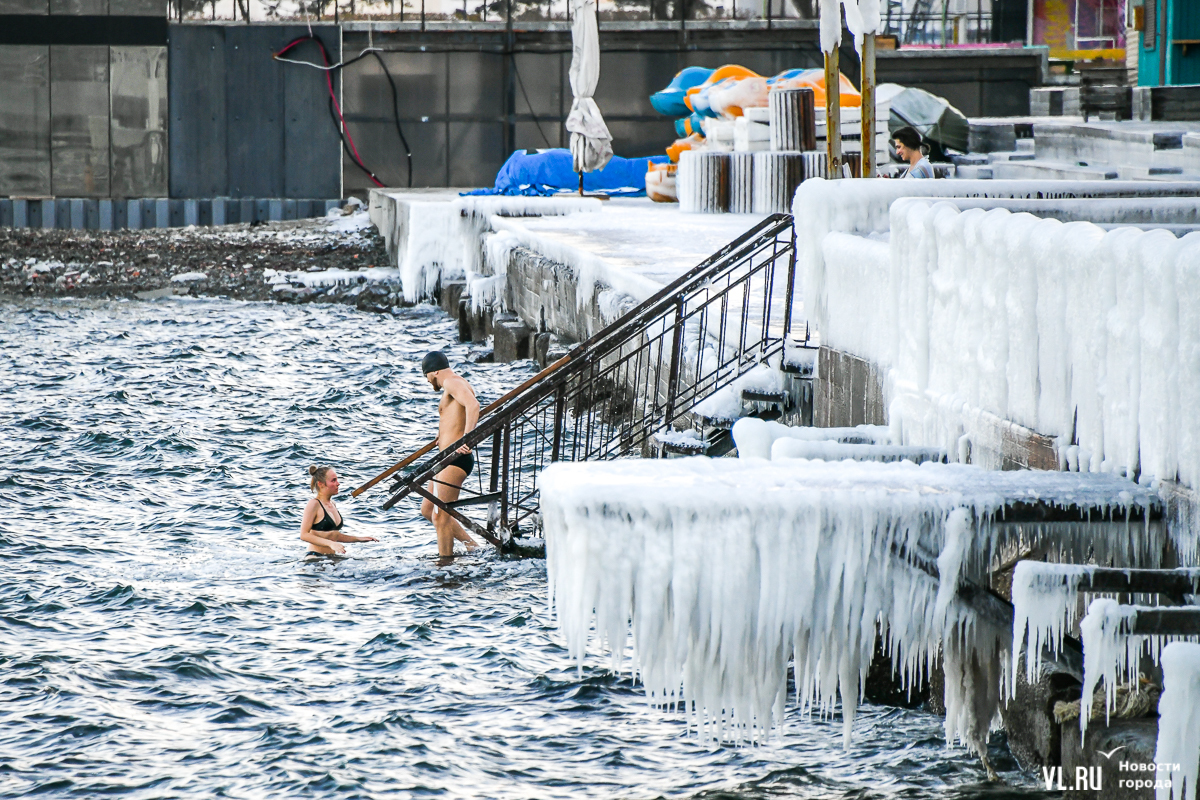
(713, 326)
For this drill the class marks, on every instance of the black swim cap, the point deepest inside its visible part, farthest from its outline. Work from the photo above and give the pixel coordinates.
(434, 361)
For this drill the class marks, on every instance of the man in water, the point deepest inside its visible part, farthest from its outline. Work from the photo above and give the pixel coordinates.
(458, 413)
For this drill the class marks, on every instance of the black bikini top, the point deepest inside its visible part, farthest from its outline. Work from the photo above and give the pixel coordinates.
(327, 523)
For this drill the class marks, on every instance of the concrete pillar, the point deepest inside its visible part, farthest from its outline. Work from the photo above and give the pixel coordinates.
(868, 106)
(275, 210)
(191, 212)
(450, 293)
(20, 213)
(133, 214)
(48, 213)
(218, 211)
(833, 114)
(106, 215)
(162, 213)
(511, 340)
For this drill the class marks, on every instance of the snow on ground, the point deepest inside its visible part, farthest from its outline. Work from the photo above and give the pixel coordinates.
(727, 568)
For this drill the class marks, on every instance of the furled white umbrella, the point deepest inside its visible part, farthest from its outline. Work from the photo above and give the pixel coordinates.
(591, 143)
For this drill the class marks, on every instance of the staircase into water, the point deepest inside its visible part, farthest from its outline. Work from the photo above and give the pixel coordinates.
(626, 389)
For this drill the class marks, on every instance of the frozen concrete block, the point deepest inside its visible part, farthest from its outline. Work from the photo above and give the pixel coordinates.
(512, 340)
(450, 293)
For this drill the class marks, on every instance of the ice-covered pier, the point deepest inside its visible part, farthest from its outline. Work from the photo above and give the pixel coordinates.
(1000, 376)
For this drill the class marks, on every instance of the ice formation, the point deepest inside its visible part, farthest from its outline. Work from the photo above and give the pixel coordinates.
(988, 323)
(727, 568)
(755, 437)
(435, 236)
(1044, 598)
(1179, 722)
(726, 404)
(1108, 649)
(838, 451)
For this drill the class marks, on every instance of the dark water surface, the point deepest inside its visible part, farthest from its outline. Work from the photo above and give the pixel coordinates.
(160, 635)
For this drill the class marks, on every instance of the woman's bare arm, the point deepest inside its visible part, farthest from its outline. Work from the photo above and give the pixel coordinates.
(307, 534)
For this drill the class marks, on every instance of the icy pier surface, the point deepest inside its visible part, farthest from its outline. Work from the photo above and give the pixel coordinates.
(634, 245)
(729, 568)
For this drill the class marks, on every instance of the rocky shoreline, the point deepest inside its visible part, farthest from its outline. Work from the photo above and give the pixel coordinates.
(268, 262)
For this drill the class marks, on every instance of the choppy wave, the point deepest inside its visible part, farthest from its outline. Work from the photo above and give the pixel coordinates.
(161, 634)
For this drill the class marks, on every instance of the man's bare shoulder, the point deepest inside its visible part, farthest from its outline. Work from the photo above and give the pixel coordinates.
(458, 387)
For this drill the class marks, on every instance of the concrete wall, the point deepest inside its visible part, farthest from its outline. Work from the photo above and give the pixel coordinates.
(83, 98)
(245, 125)
(470, 95)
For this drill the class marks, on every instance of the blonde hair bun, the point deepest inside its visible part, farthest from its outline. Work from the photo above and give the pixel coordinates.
(312, 470)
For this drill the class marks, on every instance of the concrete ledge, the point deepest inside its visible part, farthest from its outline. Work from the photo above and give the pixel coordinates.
(849, 391)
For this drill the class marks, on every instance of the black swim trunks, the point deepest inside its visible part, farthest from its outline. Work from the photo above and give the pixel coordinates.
(464, 462)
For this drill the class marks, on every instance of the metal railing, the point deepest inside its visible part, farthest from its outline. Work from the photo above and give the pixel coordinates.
(639, 376)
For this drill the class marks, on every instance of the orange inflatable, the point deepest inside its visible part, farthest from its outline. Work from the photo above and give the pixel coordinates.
(683, 144)
(815, 79)
(699, 103)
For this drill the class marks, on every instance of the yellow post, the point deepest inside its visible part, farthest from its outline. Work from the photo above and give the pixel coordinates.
(833, 114)
(868, 106)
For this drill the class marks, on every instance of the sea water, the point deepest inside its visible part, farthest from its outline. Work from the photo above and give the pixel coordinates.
(161, 634)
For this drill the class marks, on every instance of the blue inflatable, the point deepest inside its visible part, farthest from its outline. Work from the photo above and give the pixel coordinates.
(538, 173)
(670, 100)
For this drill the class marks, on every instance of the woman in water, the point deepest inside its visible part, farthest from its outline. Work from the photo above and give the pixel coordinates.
(321, 526)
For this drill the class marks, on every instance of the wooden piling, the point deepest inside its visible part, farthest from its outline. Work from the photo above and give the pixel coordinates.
(833, 113)
(868, 106)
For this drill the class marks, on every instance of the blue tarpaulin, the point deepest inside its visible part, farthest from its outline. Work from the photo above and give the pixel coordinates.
(546, 172)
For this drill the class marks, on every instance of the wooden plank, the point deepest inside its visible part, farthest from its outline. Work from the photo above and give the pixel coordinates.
(1166, 622)
(254, 111)
(196, 133)
(312, 151)
(1173, 582)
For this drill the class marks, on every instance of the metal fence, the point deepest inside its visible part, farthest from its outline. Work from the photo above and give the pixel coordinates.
(638, 377)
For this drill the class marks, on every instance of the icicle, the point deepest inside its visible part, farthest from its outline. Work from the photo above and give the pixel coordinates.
(1179, 721)
(1106, 650)
(1044, 598)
